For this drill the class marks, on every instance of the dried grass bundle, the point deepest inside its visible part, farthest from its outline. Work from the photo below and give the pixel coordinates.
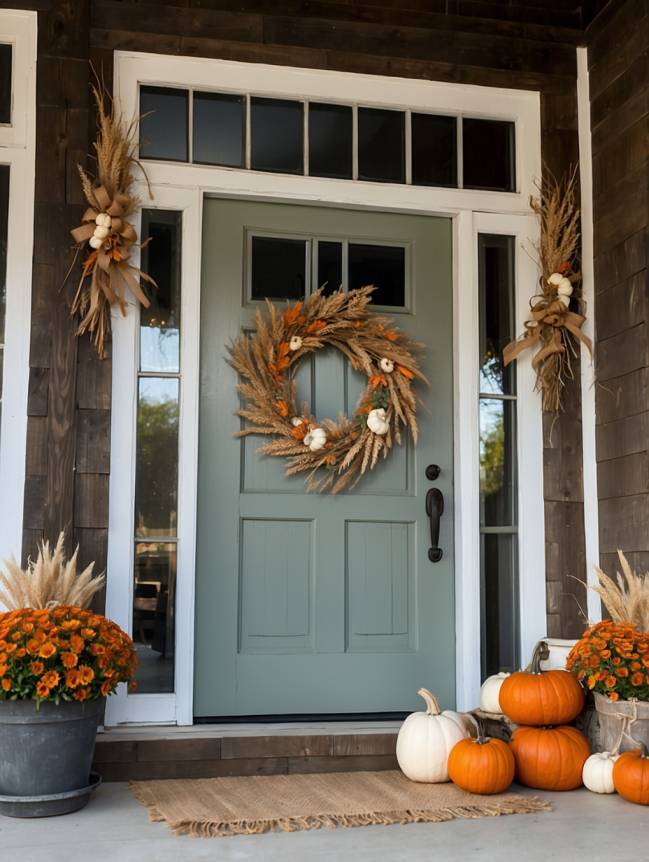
(552, 327)
(107, 275)
(334, 453)
(627, 597)
(49, 581)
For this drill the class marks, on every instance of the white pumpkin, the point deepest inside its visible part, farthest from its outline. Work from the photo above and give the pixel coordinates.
(95, 242)
(556, 278)
(316, 439)
(564, 299)
(103, 220)
(426, 738)
(564, 288)
(386, 365)
(490, 691)
(377, 421)
(598, 772)
(101, 232)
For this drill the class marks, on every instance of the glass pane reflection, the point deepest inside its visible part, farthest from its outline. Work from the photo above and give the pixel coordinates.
(496, 285)
(330, 266)
(499, 604)
(497, 463)
(163, 123)
(161, 259)
(154, 595)
(277, 268)
(156, 472)
(381, 265)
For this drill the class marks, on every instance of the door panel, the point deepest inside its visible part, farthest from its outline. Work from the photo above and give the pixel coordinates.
(310, 603)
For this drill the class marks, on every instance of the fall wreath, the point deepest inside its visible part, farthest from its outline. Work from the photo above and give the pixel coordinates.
(334, 453)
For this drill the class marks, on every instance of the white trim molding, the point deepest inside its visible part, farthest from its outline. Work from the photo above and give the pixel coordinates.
(17, 149)
(588, 411)
(183, 186)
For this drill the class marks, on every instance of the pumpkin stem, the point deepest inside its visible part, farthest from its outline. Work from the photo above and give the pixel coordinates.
(432, 704)
(644, 752)
(541, 653)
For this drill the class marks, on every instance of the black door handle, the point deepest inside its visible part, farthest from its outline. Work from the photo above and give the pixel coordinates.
(434, 510)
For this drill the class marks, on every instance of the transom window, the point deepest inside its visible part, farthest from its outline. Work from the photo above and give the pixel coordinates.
(323, 139)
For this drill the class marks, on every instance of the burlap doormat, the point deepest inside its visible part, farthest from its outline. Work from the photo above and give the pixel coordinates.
(248, 805)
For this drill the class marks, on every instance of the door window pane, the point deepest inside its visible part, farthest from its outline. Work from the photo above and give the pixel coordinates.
(330, 266)
(5, 83)
(160, 323)
(488, 155)
(277, 268)
(496, 256)
(163, 123)
(277, 135)
(381, 265)
(154, 596)
(219, 129)
(499, 604)
(156, 469)
(434, 150)
(330, 140)
(381, 136)
(497, 462)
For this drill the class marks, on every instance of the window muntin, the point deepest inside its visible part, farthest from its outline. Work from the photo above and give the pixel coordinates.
(499, 575)
(155, 530)
(330, 140)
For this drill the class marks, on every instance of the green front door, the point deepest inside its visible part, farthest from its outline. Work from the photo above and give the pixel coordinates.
(306, 603)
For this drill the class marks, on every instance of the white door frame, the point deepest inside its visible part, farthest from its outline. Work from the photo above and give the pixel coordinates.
(183, 186)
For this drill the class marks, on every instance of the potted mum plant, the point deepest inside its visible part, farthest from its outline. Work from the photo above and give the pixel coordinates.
(612, 660)
(58, 663)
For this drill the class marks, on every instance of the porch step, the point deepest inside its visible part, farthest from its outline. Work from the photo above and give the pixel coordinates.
(208, 751)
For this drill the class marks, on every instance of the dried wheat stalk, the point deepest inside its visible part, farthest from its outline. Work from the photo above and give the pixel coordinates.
(267, 362)
(49, 581)
(552, 328)
(107, 275)
(627, 597)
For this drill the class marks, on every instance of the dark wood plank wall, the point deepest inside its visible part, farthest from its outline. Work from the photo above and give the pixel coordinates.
(523, 43)
(618, 43)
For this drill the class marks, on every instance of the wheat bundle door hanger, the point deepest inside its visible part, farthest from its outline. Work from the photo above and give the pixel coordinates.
(248, 590)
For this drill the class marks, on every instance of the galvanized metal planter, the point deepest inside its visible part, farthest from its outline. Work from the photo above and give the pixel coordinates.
(46, 753)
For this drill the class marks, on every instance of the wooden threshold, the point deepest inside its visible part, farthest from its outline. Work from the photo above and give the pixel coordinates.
(206, 751)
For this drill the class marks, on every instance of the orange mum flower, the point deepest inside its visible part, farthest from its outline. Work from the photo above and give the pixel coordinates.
(77, 643)
(33, 646)
(51, 678)
(637, 679)
(70, 625)
(105, 688)
(614, 696)
(591, 681)
(86, 674)
(81, 694)
(6, 684)
(72, 679)
(69, 659)
(42, 690)
(622, 672)
(610, 682)
(37, 667)
(88, 633)
(47, 650)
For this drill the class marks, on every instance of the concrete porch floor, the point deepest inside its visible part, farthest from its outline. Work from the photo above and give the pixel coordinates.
(116, 828)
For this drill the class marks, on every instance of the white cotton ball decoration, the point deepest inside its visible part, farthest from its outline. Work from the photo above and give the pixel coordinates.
(386, 365)
(490, 692)
(295, 343)
(564, 299)
(96, 242)
(598, 772)
(296, 421)
(556, 278)
(103, 220)
(101, 232)
(316, 439)
(377, 421)
(564, 287)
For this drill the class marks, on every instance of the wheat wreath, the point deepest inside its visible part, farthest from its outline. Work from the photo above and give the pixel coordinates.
(334, 453)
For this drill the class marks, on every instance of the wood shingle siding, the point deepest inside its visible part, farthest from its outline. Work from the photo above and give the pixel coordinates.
(618, 46)
(528, 44)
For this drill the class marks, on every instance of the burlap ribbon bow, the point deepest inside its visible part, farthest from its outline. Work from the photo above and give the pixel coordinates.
(543, 329)
(108, 266)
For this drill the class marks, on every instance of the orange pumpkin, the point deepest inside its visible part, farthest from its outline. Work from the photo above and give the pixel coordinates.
(631, 775)
(481, 765)
(549, 758)
(535, 697)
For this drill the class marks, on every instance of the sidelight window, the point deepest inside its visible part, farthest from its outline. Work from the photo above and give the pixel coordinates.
(331, 140)
(498, 468)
